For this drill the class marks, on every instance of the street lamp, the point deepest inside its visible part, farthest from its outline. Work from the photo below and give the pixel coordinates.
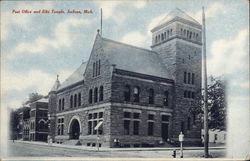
(181, 139)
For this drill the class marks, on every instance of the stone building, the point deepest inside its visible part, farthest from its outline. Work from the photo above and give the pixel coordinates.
(38, 122)
(33, 121)
(129, 96)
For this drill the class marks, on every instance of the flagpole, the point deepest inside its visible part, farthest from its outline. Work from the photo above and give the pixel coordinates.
(206, 155)
(101, 21)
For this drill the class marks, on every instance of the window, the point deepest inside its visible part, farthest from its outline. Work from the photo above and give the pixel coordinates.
(90, 116)
(95, 116)
(94, 131)
(60, 106)
(75, 100)
(188, 78)
(162, 36)
(100, 114)
(150, 117)
(126, 125)
(193, 95)
(79, 99)
(165, 37)
(60, 126)
(155, 39)
(136, 128)
(136, 115)
(165, 101)
(99, 67)
(168, 33)
(95, 94)
(185, 94)
(185, 77)
(94, 69)
(190, 35)
(192, 78)
(151, 96)
(187, 34)
(150, 128)
(184, 32)
(89, 127)
(196, 36)
(165, 118)
(63, 102)
(188, 123)
(101, 93)
(71, 101)
(90, 95)
(181, 31)
(136, 94)
(127, 115)
(171, 33)
(127, 93)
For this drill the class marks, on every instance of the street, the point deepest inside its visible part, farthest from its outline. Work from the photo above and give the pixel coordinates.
(19, 149)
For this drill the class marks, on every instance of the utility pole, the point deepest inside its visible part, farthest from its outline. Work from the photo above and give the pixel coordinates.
(206, 155)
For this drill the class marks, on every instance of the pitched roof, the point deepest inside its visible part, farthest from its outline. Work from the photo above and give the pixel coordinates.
(177, 13)
(75, 77)
(134, 59)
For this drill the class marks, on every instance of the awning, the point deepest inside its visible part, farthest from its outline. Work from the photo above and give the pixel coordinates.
(98, 125)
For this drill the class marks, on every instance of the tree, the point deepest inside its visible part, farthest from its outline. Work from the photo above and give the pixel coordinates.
(33, 97)
(216, 104)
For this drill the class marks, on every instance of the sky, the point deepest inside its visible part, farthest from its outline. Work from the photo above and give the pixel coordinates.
(37, 47)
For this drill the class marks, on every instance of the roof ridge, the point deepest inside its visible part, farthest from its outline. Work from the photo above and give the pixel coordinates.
(122, 43)
(187, 15)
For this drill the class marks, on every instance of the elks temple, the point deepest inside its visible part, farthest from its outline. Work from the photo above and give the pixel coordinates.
(128, 96)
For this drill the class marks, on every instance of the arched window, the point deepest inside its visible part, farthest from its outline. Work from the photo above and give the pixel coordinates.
(90, 95)
(185, 77)
(99, 67)
(95, 94)
(71, 101)
(79, 99)
(165, 36)
(75, 100)
(162, 38)
(181, 31)
(136, 94)
(63, 104)
(101, 93)
(165, 101)
(42, 125)
(60, 105)
(127, 93)
(192, 78)
(190, 35)
(151, 96)
(155, 39)
(171, 32)
(168, 33)
(188, 78)
(94, 69)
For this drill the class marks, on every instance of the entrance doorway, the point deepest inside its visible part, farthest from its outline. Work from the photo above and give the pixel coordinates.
(164, 131)
(75, 130)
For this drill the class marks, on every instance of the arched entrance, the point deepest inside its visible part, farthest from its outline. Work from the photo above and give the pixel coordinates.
(74, 129)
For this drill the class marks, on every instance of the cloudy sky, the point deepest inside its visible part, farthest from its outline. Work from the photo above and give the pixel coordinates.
(37, 47)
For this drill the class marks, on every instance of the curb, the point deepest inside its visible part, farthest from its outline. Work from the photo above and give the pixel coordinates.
(101, 149)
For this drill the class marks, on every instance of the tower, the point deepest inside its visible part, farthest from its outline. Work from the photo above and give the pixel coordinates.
(177, 40)
(52, 109)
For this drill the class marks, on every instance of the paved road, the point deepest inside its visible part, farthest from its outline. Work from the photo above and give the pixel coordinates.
(19, 149)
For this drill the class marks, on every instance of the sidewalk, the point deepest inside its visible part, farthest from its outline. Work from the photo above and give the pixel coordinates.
(115, 149)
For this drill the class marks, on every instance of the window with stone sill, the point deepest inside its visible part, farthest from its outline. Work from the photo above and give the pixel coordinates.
(101, 93)
(127, 93)
(165, 101)
(71, 101)
(75, 100)
(90, 96)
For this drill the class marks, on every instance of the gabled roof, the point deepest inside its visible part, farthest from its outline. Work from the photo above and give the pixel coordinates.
(75, 77)
(134, 59)
(176, 13)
